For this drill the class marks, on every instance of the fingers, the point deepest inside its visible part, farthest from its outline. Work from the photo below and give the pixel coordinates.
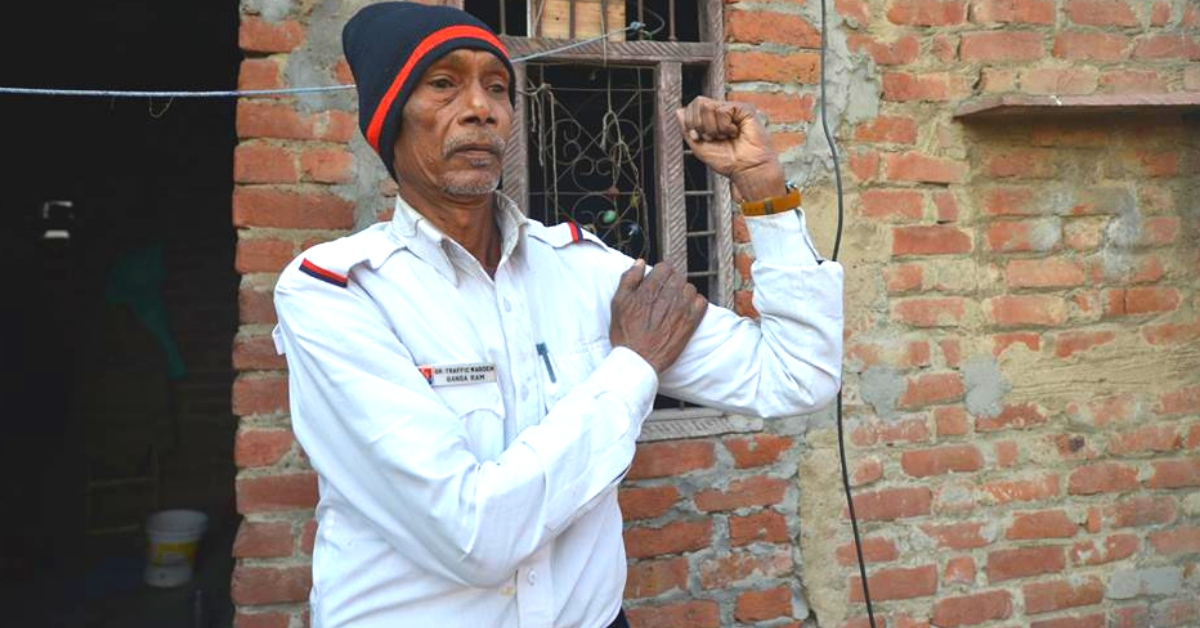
(631, 278)
(707, 120)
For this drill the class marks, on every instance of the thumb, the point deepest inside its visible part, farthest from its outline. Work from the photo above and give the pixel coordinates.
(687, 137)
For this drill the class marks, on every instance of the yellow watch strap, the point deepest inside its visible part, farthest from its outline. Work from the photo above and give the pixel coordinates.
(773, 205)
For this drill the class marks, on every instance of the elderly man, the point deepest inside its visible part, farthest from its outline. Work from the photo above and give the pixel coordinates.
(469, 384)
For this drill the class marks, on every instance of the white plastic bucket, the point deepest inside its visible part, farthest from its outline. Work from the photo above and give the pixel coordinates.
(172, 539)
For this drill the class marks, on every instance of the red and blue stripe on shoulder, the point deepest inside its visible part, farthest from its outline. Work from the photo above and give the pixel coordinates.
(328, 276)
(563, 234)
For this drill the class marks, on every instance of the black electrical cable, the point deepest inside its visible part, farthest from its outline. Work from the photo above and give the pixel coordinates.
(837, 245)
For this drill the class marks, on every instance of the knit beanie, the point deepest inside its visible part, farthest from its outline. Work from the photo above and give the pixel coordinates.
(389, 45)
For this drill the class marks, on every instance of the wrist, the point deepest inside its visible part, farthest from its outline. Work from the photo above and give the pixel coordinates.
(759, 182)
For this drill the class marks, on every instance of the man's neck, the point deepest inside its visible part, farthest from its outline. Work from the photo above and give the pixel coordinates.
(469, 221)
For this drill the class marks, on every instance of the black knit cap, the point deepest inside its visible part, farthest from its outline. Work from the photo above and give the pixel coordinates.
(389, 46)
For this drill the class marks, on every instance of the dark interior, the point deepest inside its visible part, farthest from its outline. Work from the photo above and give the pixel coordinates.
(121, 309)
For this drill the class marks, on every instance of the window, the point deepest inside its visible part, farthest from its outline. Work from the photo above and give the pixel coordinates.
(596, 140)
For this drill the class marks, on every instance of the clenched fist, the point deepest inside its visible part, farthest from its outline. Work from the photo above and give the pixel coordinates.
(655, 315)
(729, 138)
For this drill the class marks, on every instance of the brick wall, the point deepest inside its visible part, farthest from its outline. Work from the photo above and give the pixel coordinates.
(1023, 322)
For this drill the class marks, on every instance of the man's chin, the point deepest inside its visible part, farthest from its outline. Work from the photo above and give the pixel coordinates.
(471, 189)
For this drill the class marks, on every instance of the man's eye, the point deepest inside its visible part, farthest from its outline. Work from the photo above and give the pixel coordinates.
(441, 83)
(498, 88)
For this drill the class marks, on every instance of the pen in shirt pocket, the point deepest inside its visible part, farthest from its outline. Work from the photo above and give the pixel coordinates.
(545, 353)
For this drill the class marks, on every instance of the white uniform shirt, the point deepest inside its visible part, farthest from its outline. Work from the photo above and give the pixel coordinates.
(493, 504)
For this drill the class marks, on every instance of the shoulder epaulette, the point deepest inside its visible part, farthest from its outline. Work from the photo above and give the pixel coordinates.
(563, 234)
(332, 261)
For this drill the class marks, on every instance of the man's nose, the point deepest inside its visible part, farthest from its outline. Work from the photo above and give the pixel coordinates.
(479, 106)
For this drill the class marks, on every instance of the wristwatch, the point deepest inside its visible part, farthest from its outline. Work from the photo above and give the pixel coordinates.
(774, 204)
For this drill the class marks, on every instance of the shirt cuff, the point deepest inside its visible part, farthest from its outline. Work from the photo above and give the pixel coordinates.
(782, 239)
(630, 377)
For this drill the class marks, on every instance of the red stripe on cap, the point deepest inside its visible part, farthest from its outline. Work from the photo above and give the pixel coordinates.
(431, 41)
(327, 274)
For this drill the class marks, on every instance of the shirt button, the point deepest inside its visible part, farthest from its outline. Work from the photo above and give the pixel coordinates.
(532, 577)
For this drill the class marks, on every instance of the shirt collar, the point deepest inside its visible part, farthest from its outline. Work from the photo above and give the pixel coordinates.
(412, 230)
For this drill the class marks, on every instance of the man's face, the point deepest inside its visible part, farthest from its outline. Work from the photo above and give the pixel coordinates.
(454, 126)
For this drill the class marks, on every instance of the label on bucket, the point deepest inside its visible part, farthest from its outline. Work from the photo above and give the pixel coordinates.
(164, 554)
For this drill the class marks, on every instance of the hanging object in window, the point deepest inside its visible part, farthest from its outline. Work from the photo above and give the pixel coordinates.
(577, 19)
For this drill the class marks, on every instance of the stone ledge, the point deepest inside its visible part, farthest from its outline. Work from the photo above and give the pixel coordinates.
(1024, 105)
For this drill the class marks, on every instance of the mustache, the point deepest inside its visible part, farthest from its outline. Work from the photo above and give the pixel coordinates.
(487, 140)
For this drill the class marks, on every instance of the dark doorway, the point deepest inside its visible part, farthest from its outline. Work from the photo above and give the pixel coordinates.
(121, 308)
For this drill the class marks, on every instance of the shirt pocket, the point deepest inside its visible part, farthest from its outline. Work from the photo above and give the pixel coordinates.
(481, 411)
(567, 365)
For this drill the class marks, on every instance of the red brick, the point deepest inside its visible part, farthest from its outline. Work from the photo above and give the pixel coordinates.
(1069, 343)
(991, 46)
(1146, 439)
(930, 311)
(254, 353)
(893, 503)
(273, 120)
(263, 255)
(908, 87)
(959, 535)
(723, 571)
(1178, 612)
(1055, 595)
(274, 493)
(1023, 236)
(1101, 12)
(1087, 621)
(905, 278)
(256, 306)
(263, 539)
(870, 470)
(901, 51)
(891, 203)
(929, 240)
(259, 35)
(1115, 547)
(308, 537)
(875, 550)
(1104, 477)
(759, 27)
(261, 447)
(1176, 541)
(1037, 489)
(1158, 47)
(897, 583)
(1022, 562)
(753, 491)
(754, 606)
(1012, 416)
(263, 163)
(1012, 201)
(1140, 300)
(647, 503)
(1141, 510)
(1090, 46)
(855, 11)
(1026, 310)
(927, 12)
(743, 304)
(947, 206)
(693, 614)
(950, 421)
(1060, 80)
(1044, 524)
(1175, 473)
(1007, 454)
(1132, 616)
(1182, 401)
(799, 67)
(767, 526)
(1132, 82)
(757, 451)
(959, 570)
(290, 209)
(1028, 163)
(270, 585)
(968, 610)
(266, 394)
(1013, 11)
(915, 430)
(1001, 342)
(888, 129)
(655, 577)
(780, 108)
(1171, 333)
(673, 538)
(327, 165)
(931, 388)
(941, 460)
(920, 168)
(247, 619)
(668, 459)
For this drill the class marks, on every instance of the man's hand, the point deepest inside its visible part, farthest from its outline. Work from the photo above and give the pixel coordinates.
(655, 315)
(729, 138)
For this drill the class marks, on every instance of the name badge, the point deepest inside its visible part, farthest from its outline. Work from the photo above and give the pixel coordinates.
(458, 374)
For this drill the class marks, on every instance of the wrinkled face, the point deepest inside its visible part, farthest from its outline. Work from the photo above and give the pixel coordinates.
(454, 126)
